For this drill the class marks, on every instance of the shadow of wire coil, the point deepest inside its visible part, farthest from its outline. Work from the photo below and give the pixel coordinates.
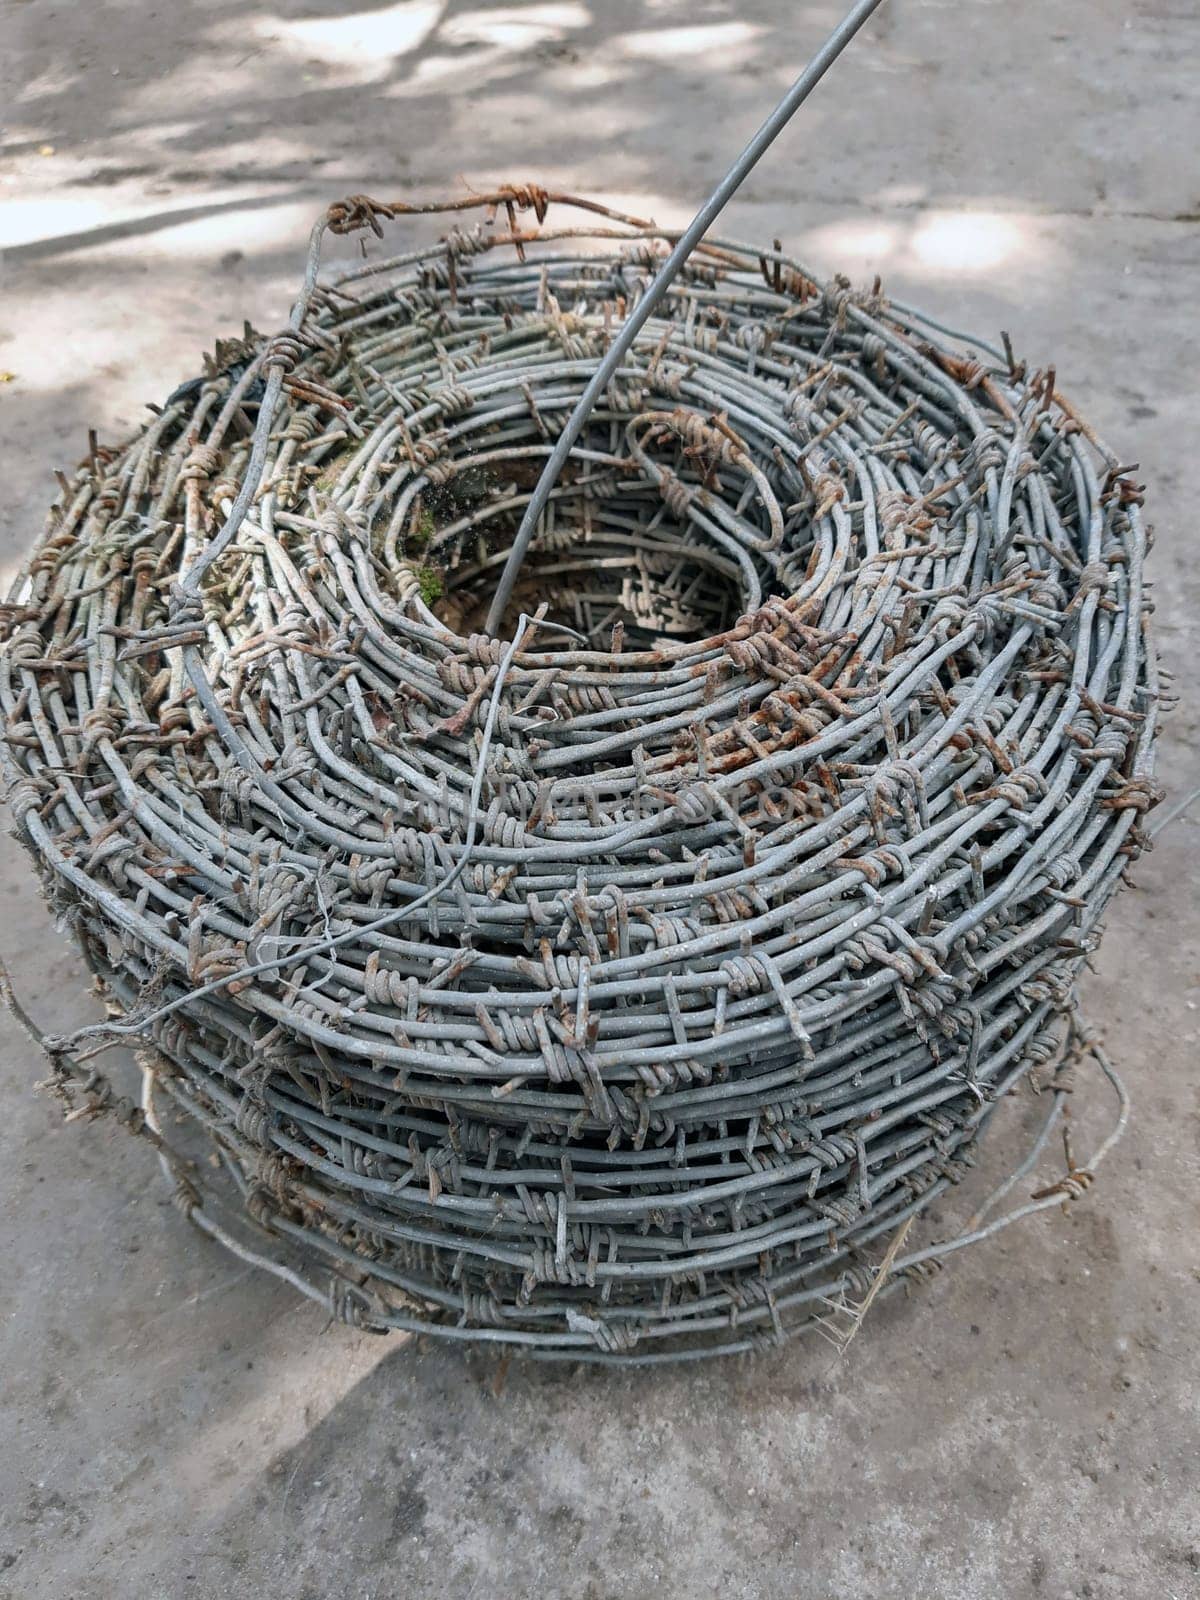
(781, 875)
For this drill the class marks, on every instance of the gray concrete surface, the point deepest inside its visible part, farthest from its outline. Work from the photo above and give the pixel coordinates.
(176, 1425)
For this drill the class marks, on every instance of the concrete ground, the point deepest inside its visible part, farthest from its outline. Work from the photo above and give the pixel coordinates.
(174, 1424)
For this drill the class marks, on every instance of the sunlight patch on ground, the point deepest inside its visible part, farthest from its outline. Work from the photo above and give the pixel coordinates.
(55, 80)
(513, 27)
(259, 1420)
(928, 243)
(257, 226)
(250, 223)
(967, 241)
(668, 44)
(366, 44)
(454, 68)
(23, 221)
(590, 75)
(368, 40)
(859, 240)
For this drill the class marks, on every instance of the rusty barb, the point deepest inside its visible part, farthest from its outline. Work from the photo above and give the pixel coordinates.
(622, 982)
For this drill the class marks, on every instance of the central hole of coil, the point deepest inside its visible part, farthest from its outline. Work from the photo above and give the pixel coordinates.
(658, 582)
(612, 548)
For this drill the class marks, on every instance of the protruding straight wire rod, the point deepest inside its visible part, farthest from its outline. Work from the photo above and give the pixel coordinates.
(640, 315)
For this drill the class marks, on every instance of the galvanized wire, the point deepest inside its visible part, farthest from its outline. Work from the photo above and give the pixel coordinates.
(618, 999)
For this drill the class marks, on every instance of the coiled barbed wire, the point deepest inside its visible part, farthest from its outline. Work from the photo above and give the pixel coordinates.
(619, 1000)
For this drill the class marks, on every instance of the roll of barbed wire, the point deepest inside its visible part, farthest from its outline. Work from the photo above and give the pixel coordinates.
(618, 987)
